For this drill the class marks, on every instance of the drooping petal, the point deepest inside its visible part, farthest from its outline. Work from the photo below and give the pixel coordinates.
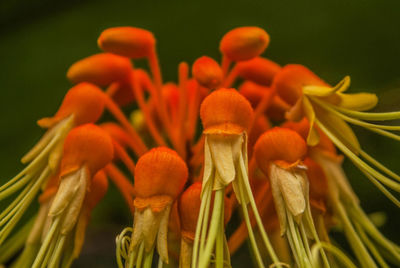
(358, 101)
(313, 135)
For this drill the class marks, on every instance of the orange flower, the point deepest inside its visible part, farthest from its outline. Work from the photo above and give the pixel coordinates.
(279, 153)
(160, 175)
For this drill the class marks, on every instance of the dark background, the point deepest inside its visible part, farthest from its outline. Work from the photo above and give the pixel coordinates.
(40, 39)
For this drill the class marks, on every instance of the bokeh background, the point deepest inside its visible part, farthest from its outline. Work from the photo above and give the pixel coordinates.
(40, 39)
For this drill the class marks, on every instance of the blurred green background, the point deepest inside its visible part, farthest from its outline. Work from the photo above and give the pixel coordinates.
(40, 39)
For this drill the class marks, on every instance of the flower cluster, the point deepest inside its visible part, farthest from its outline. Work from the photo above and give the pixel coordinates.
(266, 154)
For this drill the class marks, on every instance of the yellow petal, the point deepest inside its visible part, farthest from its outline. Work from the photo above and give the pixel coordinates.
(321, 91)
(313, 135)
(340, 129)
(358, 101)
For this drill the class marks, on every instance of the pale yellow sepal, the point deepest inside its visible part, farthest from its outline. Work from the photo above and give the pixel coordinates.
(358, 102)
(289, 192)
(221, 155)
(150, 226)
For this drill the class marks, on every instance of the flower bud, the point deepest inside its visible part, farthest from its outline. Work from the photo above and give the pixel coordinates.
(117, 133)
(160, 172)
(225, 111)
(86, 145)
(98, 190)
(253, 92)
(290, 80)
(101, 69)
(189, 207)
(259, 70)
(83, 101)
(244, 43)
(303, 127)
(127, 41)
(280, 145)
(207, 72)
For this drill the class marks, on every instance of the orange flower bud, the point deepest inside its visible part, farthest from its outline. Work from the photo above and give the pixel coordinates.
(280, 145)
(98, 190)
(277, 109)
(83, 101)
(253, 92)
(117, 133)
(207, 72)
(101, 69)
(302, 127)
(127, 41)
(189, 207)
(261, 124)
(160, 172)
(259, 70)
(318, 184)
(86, 145)
(290, 80)
(244, 43)
(225, 111)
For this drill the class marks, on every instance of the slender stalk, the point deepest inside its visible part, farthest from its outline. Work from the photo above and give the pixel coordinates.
(260, 225)
(46, 243)
(207, 191)
(205, 256)
(138, 92)
(249, 227)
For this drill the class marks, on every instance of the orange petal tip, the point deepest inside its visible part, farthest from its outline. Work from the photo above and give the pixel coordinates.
(83, 101)
(259, 70)
(101, 69)
(189, 207)
(207, 72)
(244, 43)
(127, 41)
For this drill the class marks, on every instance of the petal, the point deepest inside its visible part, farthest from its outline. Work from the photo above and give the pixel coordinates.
(278, 199)
(222, 155)
(292, 191)
(313, 135)
(340, 129)
(358, 101)
(322, 91)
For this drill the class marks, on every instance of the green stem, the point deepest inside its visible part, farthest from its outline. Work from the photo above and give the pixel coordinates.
(58, 251)
(46, 243)
(219, 246)
(358, 247)
(260, 225)
(335, 251)
(16, 242)
(207, 191)
(205, 256)
(249, 228)
(148, 259)
(139, 259)
(26, 201)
